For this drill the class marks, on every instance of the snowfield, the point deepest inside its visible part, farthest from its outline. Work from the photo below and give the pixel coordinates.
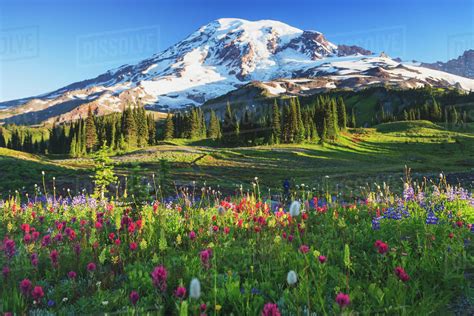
(228, 53)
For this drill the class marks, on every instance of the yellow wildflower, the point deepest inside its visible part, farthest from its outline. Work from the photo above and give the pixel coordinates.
(178, 239)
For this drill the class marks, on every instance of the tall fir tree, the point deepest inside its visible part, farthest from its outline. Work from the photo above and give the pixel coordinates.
(91, 132)
(169, 127)
(353, 118)
(341, 113)
(214, 130)
(151, 130)
(129, 128)
(2, 138)
(230, 126)
(276, 123)
(142, 126)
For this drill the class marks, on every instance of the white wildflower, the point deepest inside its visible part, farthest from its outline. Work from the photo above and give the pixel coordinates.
(292, 278)
(195, 289)
(295, 208)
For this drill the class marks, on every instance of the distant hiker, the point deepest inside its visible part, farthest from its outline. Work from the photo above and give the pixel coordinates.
(286, 188)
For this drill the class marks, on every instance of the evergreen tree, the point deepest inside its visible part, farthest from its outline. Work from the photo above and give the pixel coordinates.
(276, 123)
(104, 172)
(169, 127)
(436, 114)
(129, 128)
(293, 122)
(405, 115)
(286, 130)
(151, 130)
(341, 114)
(453, 115)
(331, 120)
(300, 130)
(230, 128)
(28, 142)
(214, 130)
(142, 126)
(247, 128)
(91, 132)
(43, 147)
(2, 138)
(353, 118)
(73, 147)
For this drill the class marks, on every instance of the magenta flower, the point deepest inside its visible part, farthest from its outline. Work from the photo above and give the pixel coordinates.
(54, 256)
(34, 259)
(133, 246)
(270, 309)
(342, 299)
(382, 247)
(180, 292)
(25, 287)
(25, 228)
(46, 240)
(37, 293)
(322, 259)
(159, 276)
(91, 267)
(72, 275)
(192, 235)
(304, 249)
(205, 256)
(134, 297)
(9, 248)
(58, 237)
(401, 274)
(27, 238)
(35, 236)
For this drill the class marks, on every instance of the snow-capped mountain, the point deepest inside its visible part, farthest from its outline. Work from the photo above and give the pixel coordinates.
(222, 56)
(461, 66)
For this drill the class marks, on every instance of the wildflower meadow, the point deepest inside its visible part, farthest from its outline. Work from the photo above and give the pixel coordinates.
(201, 252)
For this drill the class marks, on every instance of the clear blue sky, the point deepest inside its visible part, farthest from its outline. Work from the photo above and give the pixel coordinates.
(46, 44)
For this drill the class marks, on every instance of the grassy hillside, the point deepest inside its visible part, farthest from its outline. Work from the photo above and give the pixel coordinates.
(361, 156)
(19, 171)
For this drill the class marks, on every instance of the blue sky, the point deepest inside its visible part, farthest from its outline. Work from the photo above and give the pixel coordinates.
(45, 45)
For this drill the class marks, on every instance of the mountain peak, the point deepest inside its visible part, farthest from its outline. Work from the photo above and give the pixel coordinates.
(222, 56)
(463, 65)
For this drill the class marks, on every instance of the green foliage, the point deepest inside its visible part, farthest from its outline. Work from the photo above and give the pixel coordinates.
(91, 132)
(230, 127)
(169, 128)
(137, 188)
(103, 171)
(276, 123)
(214, 130)
(129, 128)
(250, 254)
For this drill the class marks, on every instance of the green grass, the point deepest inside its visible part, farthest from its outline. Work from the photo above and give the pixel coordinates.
(21, 171)
(360, 156)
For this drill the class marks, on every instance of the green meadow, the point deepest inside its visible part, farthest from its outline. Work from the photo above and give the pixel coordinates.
(360, 157)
